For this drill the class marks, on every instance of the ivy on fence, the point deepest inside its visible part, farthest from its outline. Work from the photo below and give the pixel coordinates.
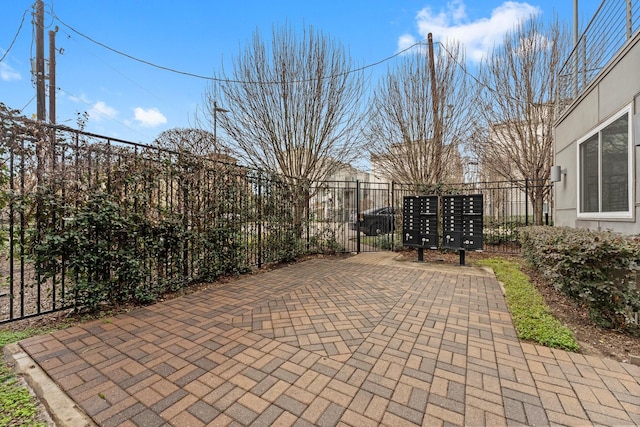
(108, 222)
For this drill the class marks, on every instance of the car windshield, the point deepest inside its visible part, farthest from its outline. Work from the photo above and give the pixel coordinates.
(375, 211)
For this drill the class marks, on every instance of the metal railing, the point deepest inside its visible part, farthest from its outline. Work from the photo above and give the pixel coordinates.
(614, 23)
(367, 216)
(86, 219)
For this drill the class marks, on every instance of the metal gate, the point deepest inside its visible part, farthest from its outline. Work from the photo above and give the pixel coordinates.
(359, 216)
(367, 216)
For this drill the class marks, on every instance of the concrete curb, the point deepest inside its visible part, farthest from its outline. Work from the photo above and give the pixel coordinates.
(61, 408)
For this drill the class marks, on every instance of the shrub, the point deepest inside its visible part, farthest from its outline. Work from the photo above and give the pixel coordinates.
(325, 242)
(596, 269)
(281, 245)
(104, 250)
(221, 252)
(385, 242)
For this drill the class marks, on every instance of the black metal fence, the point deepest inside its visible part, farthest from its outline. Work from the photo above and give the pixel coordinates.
(87, 219)
(367, 216)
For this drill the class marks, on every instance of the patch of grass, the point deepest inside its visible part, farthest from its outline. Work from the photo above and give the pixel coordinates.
(531, 316)
(8, 337)
(17, 406)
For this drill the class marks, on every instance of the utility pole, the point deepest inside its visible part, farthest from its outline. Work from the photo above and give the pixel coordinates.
(52, 76)
(40, 86)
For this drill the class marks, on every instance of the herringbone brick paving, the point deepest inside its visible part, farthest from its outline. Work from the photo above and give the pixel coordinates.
(362, 341)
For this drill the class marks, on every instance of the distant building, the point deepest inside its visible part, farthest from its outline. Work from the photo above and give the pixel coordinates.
(405, 163)
(335, 198)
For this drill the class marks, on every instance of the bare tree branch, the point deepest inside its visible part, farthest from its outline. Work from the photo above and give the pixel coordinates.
(294, 107)
(194, 141)
(515, 101)
(407, 141)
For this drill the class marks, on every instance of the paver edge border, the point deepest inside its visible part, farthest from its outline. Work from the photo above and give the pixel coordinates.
(63, 411)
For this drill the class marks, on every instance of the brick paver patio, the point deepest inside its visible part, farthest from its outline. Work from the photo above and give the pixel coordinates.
(363, 341)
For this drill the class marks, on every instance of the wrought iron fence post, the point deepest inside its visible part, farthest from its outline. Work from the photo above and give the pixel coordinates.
(526, 201)
(307, 196)
(393, 216)
(185, 225)
(357, 219)
(11, 228)
(23, 223)
(259, 218)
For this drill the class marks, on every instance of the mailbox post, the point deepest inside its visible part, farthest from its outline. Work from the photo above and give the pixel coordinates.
(461, 223)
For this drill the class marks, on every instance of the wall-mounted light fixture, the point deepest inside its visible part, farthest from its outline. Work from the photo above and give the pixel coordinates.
(556, 173)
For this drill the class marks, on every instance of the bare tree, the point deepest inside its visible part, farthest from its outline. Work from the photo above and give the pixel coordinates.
(516, 98)
(418, 118)
(294, 108)
(194, 141)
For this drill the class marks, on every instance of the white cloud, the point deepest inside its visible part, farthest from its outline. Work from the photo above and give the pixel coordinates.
(477, 37)
(8, 74)
(150, 117)
(100, 111)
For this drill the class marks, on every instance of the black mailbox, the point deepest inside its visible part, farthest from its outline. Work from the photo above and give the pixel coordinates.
(462, 222)
(420, 221)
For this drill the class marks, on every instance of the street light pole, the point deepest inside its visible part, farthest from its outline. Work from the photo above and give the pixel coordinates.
(216, 110)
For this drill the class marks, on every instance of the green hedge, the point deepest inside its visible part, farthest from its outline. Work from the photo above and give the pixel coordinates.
(598, 270)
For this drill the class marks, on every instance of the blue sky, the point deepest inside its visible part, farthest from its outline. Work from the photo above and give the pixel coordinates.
(133, 101)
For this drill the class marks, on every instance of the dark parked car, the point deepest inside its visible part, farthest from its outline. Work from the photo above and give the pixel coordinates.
(376, 221)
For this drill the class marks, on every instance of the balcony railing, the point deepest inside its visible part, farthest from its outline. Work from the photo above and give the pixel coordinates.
(613, 25)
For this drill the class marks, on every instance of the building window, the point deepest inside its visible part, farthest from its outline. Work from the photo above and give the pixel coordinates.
(605, 170)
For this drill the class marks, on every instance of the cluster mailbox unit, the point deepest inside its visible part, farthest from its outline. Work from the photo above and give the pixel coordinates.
(461, 223)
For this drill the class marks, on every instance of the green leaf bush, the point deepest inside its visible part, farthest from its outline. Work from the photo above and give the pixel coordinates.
(105, 250)
(596, 269)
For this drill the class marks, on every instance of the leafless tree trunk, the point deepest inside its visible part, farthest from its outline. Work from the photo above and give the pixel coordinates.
(417, 124)
(515, 101)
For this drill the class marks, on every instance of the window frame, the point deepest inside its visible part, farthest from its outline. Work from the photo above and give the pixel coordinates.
(629, 213)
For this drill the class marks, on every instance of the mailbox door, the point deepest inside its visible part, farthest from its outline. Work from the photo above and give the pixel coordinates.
(420, 221)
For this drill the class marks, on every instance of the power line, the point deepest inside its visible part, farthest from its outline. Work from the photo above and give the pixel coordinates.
(125, 76)
(6, 52)
(476, 79)
(99, 112)
(27, 104)
(221, 80)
